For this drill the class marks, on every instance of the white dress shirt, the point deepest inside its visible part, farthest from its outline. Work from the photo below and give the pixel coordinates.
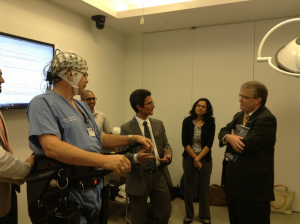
(141, 125)
(102, 122)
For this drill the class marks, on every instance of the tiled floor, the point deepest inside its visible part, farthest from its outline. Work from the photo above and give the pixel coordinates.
(219, 214)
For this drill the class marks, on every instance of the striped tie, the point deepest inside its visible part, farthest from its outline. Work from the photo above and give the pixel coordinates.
(152, 162)
(246, 118)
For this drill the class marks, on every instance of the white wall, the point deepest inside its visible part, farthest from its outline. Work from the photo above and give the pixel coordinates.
(134, 65)
(168, 74)
(180, 66)
(104, 50)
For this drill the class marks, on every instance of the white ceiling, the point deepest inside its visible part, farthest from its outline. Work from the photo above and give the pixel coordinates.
(208, 13)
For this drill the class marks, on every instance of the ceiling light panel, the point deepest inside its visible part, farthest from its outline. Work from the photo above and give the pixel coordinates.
(134, 4)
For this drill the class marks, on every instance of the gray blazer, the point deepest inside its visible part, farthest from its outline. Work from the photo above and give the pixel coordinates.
(12, 171)
(136, 178)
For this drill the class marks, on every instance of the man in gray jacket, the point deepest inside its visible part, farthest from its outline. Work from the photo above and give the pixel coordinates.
(149, 175)
(12, 173)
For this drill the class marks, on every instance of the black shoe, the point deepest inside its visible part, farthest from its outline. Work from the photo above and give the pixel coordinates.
(187, 221)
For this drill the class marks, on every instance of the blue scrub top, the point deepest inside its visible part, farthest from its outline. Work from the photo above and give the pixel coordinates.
(50, 113)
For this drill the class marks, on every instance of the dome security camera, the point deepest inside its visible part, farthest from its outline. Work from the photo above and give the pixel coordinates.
(100, 20)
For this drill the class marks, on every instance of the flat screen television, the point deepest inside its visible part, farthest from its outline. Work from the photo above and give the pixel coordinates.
(22, 62)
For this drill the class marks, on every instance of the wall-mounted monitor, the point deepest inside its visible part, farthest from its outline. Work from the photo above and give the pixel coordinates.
(22, 62)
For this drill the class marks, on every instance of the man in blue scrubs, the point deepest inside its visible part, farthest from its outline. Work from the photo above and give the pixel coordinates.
(64, 129)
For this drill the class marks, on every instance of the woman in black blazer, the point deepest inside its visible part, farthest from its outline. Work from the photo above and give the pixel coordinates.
(198, 132)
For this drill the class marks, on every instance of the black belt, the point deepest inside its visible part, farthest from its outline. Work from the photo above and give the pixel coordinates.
(159, 168)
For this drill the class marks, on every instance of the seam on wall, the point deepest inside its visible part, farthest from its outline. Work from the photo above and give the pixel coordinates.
(142, 61)
(254, 58)
(193, 45)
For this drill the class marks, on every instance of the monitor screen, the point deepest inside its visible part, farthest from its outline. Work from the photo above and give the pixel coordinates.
(22, 62)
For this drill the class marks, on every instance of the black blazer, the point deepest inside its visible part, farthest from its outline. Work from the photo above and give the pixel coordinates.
(207, 136)
(251, 177)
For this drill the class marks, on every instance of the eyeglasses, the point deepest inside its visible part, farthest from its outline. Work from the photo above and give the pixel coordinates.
(89, 99)
(150, 104)
(245, 97)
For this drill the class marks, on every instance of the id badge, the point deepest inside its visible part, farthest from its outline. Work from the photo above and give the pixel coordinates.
(91, 132)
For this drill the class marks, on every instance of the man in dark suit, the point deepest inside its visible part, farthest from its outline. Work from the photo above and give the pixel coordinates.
(149, 175)
(250, 178)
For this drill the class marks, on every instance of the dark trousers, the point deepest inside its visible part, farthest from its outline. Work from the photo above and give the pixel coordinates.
(158, 191)
(247, 212)
(12, 215)
(94, 221)
(189, 182)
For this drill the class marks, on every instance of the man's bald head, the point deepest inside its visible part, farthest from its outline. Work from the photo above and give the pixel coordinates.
(84, 95)
(89, 97)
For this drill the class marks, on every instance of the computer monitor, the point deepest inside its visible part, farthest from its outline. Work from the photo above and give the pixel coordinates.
(22, 61)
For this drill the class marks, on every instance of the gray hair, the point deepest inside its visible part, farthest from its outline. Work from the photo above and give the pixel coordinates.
(259, 90)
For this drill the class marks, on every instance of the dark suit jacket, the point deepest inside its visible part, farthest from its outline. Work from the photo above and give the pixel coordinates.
(251, 177)
(136, 179)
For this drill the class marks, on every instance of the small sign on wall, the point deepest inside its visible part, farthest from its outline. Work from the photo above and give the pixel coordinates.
(57, 49)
